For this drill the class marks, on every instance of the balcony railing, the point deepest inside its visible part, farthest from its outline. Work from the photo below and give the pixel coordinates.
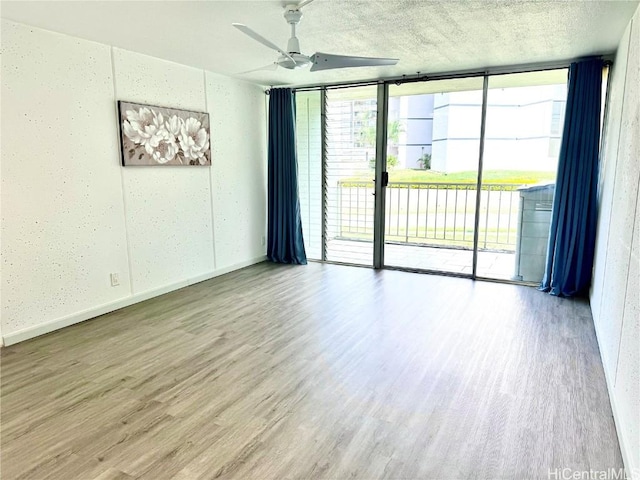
(434, 214)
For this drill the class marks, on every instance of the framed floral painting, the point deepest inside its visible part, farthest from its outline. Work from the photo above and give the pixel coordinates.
(151, 135)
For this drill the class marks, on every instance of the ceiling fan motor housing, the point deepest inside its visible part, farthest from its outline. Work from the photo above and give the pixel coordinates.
(301, 61)
(293, 46)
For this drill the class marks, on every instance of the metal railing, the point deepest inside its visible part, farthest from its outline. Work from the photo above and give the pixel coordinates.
(435, 214)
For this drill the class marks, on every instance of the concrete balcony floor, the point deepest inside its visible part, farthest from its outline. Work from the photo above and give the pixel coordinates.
(491, 264)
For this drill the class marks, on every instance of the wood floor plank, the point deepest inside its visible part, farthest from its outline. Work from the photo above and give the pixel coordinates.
(323, 371)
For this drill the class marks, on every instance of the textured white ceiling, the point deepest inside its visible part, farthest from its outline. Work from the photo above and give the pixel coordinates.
(427, 36)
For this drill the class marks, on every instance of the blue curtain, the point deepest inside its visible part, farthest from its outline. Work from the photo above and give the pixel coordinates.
(573, 221)
(285, 243)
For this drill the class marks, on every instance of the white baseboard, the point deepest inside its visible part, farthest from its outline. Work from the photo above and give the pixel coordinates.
(37, 330)
(632, 471)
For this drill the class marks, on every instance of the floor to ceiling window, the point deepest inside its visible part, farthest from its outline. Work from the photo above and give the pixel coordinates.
(456, 201)
(309, 150)
(524, 120)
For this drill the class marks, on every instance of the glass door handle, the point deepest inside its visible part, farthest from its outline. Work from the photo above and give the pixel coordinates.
(385, 179)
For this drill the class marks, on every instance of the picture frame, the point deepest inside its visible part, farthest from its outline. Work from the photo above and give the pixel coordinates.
(151, 135)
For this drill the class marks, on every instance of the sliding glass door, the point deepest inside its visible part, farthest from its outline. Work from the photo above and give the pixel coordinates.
(433, 141)
(455, 206)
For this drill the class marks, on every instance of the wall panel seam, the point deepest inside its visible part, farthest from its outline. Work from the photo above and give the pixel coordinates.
(626, 286)
(122, 184)
(213, 229)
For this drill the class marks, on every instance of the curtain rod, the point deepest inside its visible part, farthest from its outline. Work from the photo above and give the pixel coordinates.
(423, 77)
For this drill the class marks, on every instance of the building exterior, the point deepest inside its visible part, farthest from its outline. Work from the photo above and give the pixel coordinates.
(523, 128)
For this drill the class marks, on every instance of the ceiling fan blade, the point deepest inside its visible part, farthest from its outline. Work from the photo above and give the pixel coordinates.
(304, 3)
(256, 36)
(271, 67)
(326, 61)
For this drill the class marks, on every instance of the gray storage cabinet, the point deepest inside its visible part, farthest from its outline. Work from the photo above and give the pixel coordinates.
(536, 203)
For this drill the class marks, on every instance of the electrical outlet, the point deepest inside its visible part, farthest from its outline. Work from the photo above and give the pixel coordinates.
(115, 279)
(262, 240)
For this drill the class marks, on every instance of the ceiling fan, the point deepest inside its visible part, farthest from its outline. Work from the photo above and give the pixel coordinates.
(293, 59)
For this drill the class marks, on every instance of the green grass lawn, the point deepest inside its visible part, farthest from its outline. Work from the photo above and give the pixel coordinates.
(519, 177)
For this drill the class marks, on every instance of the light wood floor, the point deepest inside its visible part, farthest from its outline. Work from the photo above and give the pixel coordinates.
(323, 371)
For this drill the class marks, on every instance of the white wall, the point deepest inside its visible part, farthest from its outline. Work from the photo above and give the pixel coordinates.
(616, 285)
(71, 215)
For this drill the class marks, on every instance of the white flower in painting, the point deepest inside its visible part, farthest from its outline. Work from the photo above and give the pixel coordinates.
(158, 121)
(154, 133)
(135, 124)
(194, 140)
(145, 127)
(165, 151)
(174, 125)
